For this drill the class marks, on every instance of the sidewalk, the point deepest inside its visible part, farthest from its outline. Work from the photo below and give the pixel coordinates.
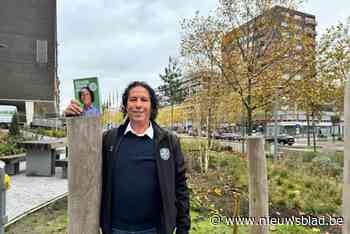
(28, 192)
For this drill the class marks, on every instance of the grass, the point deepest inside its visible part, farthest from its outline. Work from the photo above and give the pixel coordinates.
(49, 220)
(53, 220)
(300, 184)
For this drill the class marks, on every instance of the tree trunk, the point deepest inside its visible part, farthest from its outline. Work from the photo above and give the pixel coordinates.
(243, 126)
(265, 123)
(249, 108)
(258, 186)
(172, 116)
(313, 130)
(308, 127)
(209, 121)
(249, 121)
(236, 210)
(206, 160)
(200, 158)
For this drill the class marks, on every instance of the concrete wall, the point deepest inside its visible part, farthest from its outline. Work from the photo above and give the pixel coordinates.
(23, 22)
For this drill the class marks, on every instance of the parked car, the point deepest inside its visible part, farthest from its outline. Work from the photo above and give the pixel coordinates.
(230, 136)
(192, 132)
(216, 135)
(284, 139)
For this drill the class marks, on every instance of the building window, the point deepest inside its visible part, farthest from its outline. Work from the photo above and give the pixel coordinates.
(41, 51)
(298, 17)
(298, 27)
(297, 77)
(309, 30)
(284, 24)
(285, 76)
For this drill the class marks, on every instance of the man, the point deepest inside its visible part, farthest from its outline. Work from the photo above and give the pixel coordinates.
(144, 188)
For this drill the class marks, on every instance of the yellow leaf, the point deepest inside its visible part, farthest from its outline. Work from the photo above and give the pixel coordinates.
(273, 228)
(218, 191)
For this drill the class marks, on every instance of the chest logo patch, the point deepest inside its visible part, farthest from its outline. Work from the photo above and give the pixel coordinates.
(164, 153)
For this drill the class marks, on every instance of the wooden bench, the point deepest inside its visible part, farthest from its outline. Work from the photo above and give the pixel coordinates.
(64, 164)
(12, 163)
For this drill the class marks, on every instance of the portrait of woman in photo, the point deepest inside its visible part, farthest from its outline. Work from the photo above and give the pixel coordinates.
(87, 97)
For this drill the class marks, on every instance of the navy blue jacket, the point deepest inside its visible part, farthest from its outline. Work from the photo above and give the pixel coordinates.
(172, 180)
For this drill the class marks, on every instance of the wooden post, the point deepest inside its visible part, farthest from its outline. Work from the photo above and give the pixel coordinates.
(346, 185)
(237, 209)
(84, 174)
(258, 189)
(3, 217)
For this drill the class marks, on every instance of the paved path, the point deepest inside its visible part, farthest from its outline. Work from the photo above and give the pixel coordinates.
(28, 192)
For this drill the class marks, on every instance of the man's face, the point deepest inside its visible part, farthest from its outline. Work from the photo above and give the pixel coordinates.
(139, 105)
(85, 97)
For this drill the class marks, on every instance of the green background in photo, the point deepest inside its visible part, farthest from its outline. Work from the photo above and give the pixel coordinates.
(92, 83)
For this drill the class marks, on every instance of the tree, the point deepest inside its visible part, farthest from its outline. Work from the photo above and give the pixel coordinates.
(14, 127)
(334, 60)
(172, 86)
(325, 75)
(179, 114)
(203, 105)
(246, 42)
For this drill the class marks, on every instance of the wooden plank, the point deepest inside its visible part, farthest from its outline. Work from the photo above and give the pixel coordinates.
(15, 156)
(346, 185)
(44, 144)
(258, 189)
(84, 170)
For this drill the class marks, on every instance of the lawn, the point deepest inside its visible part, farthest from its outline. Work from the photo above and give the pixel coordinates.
(307, 184)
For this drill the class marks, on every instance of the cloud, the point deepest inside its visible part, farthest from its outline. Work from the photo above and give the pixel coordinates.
(124, 40)
(118, 41)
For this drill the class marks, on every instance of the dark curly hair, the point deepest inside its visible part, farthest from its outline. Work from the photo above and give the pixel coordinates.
(152, 94)
(88, 89)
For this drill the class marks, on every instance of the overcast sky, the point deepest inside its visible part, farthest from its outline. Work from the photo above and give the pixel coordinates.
(120, 41)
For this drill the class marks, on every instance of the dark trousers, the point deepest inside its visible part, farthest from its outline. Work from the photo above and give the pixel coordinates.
(148, 231)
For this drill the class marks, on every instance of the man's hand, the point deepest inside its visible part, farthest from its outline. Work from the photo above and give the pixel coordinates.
(73, 109)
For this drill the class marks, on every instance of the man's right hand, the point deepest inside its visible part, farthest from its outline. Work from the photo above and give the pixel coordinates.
(73, 109)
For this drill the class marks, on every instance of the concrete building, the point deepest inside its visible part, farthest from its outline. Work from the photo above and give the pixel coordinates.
(261, 42)
(269, 34)
(28, 56)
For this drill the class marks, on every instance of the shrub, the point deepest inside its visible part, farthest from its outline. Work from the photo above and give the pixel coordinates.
(50, 132)
(322, 165)
(309, 156)
(14, 127)
(10, 148)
